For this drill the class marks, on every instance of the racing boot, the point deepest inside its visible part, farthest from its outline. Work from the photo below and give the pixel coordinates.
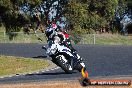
(79, 58)
(74, 51)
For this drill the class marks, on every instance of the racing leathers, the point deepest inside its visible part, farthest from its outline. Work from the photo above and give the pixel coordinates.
(61, 37)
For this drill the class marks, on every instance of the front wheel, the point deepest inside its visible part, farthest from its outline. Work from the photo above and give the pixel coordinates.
(64, 64)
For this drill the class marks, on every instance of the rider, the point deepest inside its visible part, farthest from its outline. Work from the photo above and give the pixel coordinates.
(56, 34)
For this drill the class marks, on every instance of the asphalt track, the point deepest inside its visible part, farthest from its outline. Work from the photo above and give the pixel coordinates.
(101, 61)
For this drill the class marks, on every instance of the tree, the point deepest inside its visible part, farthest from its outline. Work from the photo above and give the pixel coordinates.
(89, 14)
(10, 15)
(82, 15)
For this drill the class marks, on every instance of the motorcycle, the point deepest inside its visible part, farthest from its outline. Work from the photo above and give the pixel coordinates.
(64, 58)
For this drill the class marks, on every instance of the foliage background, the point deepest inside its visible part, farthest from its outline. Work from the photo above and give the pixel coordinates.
(83, 16)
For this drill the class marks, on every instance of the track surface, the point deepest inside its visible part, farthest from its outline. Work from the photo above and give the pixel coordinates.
(100, 61)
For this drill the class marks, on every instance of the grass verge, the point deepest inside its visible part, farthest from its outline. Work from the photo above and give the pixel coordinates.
(100, 39)
(108, 39)
(10, 65)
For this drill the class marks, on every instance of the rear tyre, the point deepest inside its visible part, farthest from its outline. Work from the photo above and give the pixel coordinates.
(64, 64)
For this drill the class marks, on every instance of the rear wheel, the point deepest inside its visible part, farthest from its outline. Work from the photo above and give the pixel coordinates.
(64, 64)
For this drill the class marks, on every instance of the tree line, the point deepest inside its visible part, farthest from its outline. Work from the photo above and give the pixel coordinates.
(83, 16)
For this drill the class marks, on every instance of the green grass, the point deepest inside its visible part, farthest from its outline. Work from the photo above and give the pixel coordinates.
(22, 38)
(10, 65)
(108, 39)
(2, 38)
(101, 39)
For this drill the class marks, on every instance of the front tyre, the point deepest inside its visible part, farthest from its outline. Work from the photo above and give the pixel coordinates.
(64, 64)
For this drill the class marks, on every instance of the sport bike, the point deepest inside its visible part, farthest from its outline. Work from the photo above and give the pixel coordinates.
(64, 58)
